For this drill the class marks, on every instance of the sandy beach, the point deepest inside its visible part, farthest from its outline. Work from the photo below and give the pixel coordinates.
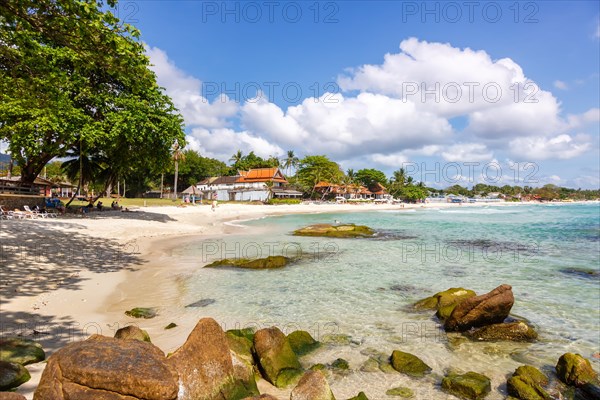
(64, 279)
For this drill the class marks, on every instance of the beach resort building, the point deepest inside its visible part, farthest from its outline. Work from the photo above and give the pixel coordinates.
(353, 191)
(258, 184)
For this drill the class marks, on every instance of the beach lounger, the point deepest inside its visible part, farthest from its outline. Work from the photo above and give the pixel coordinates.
(32, 213)
(4, 214)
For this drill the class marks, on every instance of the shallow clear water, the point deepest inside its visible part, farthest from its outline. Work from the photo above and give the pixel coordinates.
(361, 287)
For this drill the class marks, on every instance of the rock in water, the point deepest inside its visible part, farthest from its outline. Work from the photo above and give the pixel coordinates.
(336, 231)
(270, 262)
(12, 375)
(277, 360)
(409, 364)
(513, 331)
(575, 370)
(132, 332)
(302, 342)
(141, 312)
(201, 303)
(205, 366)
(401, 391)
(261, 397)
(444, 302)
(104, 368)
(490, 308)
(526, 384)
(21, 351)
(312, 386)
(472, 386)
(360, 396)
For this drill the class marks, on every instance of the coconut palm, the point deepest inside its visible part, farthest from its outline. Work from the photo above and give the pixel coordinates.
(178, 155)
(237, 157)
(290, 162)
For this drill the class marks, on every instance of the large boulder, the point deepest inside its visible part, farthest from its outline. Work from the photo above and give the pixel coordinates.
(526, 384)
(106, 368)
(312, 386)
(302, 342)
(518, 331)
(12, 375)
(444, 302)
(472, 386)
(336, 231)
(575, 370)
(20, 351)
(277, 361)
(11, 396)
(132, 332)
(409, 364)
(474, 312)
(205, 367)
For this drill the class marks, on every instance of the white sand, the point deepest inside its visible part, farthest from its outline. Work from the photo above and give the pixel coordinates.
(60, 276)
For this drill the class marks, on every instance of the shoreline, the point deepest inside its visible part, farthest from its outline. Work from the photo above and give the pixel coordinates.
(94, 304)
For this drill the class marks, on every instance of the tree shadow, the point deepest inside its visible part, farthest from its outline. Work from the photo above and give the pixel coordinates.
(131, 214)
(38, 258)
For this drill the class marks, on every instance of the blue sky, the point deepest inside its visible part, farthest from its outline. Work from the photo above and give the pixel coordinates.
(350, 79)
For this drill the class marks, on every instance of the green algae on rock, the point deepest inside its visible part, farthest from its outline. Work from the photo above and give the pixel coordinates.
(335, 231)
(12, 375)
(526, 384)
(409, 364)
(21, 351)
(471, 386)
(444, 302)
(270, 262)
(141, 312)
(401, 391)
(302, 342)
(575, 370)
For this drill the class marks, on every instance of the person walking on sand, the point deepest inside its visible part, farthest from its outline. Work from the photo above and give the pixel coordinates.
(214, 203)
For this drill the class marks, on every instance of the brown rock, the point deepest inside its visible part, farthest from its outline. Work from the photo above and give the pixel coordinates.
(517, 331)
(132, 332)
(487, 309)
(312, 386)
(11, 396)
(205, 367)
(261, 397)
(107, 369)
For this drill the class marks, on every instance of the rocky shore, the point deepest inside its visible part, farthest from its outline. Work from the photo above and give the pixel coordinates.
(214, 364)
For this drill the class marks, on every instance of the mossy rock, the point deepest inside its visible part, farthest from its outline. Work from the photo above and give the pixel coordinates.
(471, 386)
(12, 375)
(141, 312)
(21, 351)
(318, 367)
(575, 370)
(518, 331)
(401, 391)
(409, 364)
(270, 262)
(288, 377)
(340, 364)
(336, 231)
(302, 342)
(239, 389)
(241, 346)
(444, 302)
(248, 333)
(360, 396)
(371, 365)
(526, 384)
(132, 332)
(520, 388)
(171, 325)
(337, 339)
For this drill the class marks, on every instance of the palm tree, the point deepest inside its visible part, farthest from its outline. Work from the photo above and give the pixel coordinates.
(237, 157)
(290, 162)
(269, 186)
(400, 177)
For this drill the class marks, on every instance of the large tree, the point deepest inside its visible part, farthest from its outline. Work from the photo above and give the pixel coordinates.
(73, 76)
(314, 169)
(369, 177)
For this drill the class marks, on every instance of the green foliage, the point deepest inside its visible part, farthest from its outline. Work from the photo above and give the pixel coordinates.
(74, 76)
(284, 201)
(193, 168)
(368, 177)
(314, 169)
(243, 162)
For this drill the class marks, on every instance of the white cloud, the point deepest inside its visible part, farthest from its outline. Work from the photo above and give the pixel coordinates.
(221, 143)
(591, 116)
(186, 92)
(560, 85)
(541, 148)
(467, 152)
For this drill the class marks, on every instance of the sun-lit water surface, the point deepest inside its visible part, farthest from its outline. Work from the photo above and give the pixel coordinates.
(362, 287)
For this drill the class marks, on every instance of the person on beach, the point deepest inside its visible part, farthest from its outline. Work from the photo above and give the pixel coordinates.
(99, 206)
(214, 203)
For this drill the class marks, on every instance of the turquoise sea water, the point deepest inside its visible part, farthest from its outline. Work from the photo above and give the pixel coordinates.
(362, 287)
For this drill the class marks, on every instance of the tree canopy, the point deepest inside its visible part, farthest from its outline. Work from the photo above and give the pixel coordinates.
(313, 169)
(73, 78)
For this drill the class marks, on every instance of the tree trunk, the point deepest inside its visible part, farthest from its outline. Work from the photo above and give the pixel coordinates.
(175, 183)
(162, 178)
